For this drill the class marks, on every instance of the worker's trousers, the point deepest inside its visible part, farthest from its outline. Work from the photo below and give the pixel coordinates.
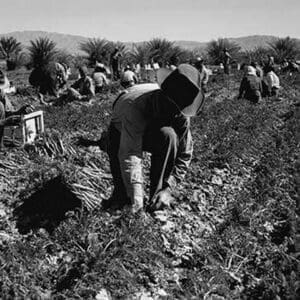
(161, 142)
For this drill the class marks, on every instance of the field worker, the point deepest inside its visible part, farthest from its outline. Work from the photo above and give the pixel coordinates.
(251, 86)
(292, 67)
(99, 77)
(8, 116)
(83, 88)
(259, 70)
(138, 71)
(153, 118)
(270, 61)
(4, 82)
(199, 64)
(272, 82)
(50, 79)
(226, 61)
(128, 78)
(115, 63)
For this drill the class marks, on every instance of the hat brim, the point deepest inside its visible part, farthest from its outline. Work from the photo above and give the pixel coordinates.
(162, 74)
(193, 109)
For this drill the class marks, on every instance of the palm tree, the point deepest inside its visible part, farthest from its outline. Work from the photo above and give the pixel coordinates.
(96, 50)
(258, 54)
(42, 51)
(10, 49)
(285, 48)
(215, 50)
(139, 54)
(160, 50)
(63, 56)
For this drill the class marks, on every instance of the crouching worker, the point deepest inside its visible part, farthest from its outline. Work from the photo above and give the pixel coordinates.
(251, 86)
(128, 78)
(83, 89)
(157, 120)
(271, 83)
(8, 116)
(49, 80)
(99, 77)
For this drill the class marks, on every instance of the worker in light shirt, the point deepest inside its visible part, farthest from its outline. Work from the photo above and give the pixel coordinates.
(272, 81)
(153, 118)
(128, 78)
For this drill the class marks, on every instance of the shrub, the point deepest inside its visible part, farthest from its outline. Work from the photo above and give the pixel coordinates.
(10, 49)
(285, 48)
(96, 50)
(42, 51)
(215, 50)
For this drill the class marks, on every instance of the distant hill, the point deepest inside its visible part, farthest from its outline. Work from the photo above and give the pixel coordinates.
(63, 41)
(71, 42)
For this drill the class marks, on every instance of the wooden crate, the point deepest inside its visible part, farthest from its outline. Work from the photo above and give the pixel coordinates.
(31, 125)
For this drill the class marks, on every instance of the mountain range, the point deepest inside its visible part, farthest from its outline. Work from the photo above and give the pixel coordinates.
(71, 42)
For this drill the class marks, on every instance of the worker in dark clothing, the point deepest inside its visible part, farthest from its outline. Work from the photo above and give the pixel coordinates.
(226, 61)
(154, 119)
(50, 79)
(251, 86)
(115, 63)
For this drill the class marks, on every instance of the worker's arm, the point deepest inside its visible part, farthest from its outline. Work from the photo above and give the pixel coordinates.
(105, 80)
(130, 155)
(184, 154)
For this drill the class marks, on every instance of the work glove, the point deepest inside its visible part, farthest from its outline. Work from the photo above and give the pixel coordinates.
(161, 199)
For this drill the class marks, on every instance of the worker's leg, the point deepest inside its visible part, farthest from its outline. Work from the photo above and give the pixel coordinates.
(275, 92)
(119, 195)
(163, 144)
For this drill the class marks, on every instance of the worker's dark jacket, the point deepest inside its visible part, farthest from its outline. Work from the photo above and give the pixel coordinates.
(251, 88)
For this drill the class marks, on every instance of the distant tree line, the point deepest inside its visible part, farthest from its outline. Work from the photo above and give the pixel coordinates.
(42, 50)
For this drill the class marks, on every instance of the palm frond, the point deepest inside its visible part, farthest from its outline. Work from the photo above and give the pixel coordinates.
(42, 51)
(96, 50)
(9, 46)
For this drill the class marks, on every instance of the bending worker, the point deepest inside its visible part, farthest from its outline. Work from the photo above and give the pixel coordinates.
(154, 119)
(251, 86)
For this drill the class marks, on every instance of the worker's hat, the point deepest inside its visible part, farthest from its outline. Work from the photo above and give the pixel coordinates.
(183, 87)
(250, 70)
(99, 65)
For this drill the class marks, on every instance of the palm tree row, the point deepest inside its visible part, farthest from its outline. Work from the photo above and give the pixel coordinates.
(43, 50)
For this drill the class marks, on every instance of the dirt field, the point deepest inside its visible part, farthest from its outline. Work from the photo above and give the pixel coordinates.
(232, 233)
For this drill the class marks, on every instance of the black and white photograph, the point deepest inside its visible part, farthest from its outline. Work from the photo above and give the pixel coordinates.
(150, 149)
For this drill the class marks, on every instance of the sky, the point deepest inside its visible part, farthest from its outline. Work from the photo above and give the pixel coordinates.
(138, 20)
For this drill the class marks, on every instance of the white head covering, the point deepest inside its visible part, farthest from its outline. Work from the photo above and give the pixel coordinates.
(251, 70)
